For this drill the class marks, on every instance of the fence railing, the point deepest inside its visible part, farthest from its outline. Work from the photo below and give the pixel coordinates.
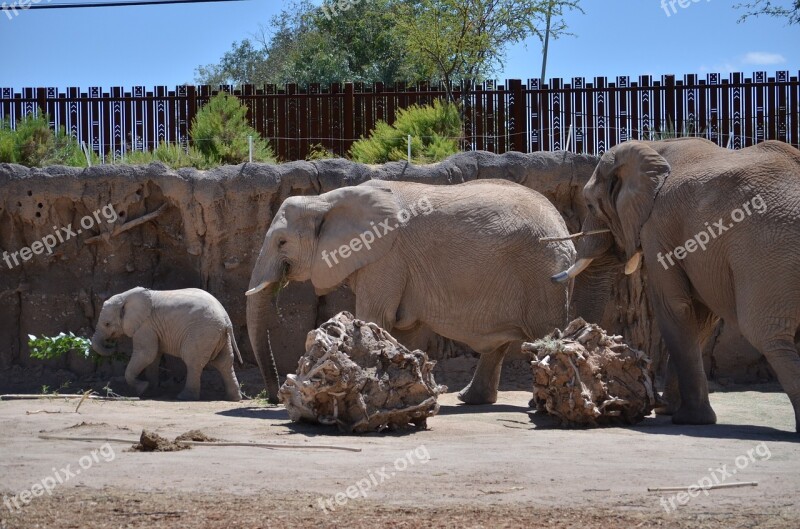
(579, 116)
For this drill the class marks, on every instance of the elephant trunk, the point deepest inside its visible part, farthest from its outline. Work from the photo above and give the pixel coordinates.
(268, 270)
(98, 344)
(257, 309)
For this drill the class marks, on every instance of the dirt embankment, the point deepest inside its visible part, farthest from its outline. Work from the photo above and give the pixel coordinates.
(116, 227)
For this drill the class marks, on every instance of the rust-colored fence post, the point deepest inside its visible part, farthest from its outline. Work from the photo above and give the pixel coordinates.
(349, 116)
(519, 113)
(191, 105)
(669, 104)
(41, 100)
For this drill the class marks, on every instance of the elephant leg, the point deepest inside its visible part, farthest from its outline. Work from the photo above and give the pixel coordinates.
(681, 323)
(671, 398)
(783, 356)
(145, 352)
(224, 364)
(194, 370)
(483, 388)
(781, 352)
(151, 373)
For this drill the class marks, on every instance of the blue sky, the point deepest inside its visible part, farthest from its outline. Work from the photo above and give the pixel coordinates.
(162, 45)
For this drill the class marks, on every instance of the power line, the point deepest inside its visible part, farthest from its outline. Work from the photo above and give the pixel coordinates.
(123, 4)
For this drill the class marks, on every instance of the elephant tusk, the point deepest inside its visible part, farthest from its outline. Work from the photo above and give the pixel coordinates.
(579, 266)
(256, 290)
(633, 263)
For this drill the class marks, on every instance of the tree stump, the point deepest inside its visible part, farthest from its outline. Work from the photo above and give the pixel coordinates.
(584, 377)
(357, 376)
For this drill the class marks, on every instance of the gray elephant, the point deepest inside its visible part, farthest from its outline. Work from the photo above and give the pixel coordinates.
(189, 323)
(719, 232)
(464, 260)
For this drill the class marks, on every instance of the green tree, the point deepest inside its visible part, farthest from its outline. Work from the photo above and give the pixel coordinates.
(464, 41)
(790, 11)
(243, 63)
(220, 132)
(306, 44)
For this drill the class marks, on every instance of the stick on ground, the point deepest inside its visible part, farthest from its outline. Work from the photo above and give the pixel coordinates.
(720, 486)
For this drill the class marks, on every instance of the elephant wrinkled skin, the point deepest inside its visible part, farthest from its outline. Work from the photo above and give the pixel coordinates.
(463, 260)
(719, 231)
(189, 323)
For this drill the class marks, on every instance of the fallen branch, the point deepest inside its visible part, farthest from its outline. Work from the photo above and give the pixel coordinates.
(201, 443)
(82, 397)
(127, 226)
(157, 513)
(720, 486)
(574, 236)
(41, 411)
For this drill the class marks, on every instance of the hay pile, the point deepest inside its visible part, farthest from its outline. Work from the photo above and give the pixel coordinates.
(584, 377)
(356, 375)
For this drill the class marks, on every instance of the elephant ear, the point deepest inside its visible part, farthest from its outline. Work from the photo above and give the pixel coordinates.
(351, 232)
(639, 173)
(136, 307)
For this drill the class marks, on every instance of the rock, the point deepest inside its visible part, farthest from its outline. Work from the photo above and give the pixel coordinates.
(356, 375)
(584, 377)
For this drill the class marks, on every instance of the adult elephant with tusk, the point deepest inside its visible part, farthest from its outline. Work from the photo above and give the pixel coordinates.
(465, 260)
(719, 232)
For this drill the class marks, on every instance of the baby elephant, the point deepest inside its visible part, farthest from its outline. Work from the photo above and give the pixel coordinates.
(190, 324)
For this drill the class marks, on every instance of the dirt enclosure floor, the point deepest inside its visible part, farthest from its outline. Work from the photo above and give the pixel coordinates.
(480, 466)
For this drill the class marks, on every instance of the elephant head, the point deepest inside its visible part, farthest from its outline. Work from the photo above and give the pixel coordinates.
(121, 315)
(620, 196)
(324, 239)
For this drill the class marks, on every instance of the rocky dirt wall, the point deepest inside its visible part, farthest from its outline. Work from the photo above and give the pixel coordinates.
(204, 229)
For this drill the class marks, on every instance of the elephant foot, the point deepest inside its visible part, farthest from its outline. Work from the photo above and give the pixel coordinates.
(700, 415)
(139, 386)
(187, 394)
(234, 397)
(472, 395)
(665, 406)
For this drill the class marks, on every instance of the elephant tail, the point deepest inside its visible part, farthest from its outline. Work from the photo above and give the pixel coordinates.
(235, 347)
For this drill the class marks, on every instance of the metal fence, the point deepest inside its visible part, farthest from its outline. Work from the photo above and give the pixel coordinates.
(579, 116)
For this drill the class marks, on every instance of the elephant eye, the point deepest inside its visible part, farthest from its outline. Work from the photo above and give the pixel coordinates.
(281, 242)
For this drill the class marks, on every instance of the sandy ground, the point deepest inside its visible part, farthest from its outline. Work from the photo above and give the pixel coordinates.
(483, 466)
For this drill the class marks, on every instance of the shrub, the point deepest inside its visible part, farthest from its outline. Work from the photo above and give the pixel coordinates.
(317, 151)
(435, 131)
(170, 154)
(220, 131)
(50, 347)
(34, 144)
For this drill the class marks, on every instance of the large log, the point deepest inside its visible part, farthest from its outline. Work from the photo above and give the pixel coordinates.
(584, 377)
(357, 376)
